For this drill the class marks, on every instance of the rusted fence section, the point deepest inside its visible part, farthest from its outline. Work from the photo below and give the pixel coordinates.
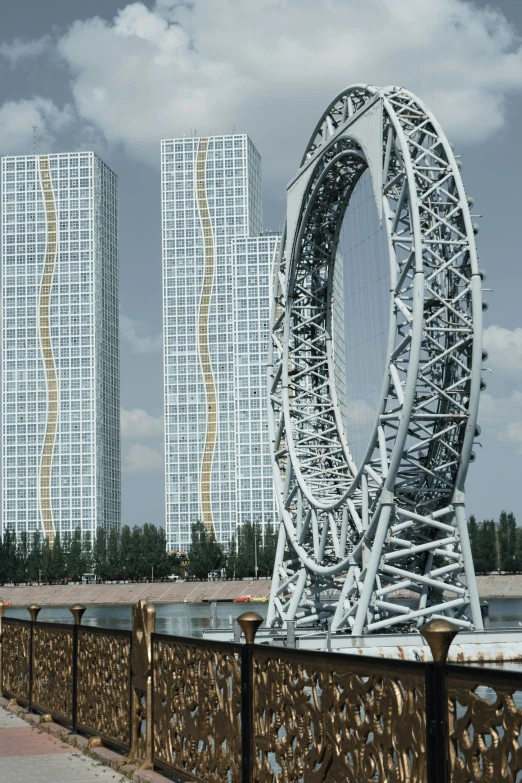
(245, 713)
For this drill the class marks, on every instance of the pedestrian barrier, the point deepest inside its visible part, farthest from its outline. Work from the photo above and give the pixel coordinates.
(246, 713)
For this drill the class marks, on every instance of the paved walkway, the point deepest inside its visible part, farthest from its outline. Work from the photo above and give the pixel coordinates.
(28, 755)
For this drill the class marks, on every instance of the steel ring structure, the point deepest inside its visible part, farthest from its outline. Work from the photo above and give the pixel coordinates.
(356, 536)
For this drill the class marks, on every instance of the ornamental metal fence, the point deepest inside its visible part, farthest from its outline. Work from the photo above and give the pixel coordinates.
(219, 712)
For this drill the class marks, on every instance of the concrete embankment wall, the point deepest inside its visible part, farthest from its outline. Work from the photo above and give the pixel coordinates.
(158, 592)
(496, 586)
(500, 586)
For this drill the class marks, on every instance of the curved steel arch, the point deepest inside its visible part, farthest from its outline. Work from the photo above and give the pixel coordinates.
(351, 534)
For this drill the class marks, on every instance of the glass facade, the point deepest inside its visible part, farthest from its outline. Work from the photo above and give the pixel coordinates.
(60, 317)
(211, 197)
(253, 262)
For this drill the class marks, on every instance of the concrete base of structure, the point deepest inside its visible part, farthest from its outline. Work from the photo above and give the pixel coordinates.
(495, 646)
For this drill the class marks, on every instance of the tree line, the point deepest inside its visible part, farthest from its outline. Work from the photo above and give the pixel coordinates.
(496, 546)
(141, 553)
(112, 555)
(137, 554)
(250, 545)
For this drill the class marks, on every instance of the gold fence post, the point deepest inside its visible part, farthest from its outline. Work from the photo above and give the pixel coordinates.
(439, 634)
(143, 625)
(249, 623)
(34, 611)
(77, 612)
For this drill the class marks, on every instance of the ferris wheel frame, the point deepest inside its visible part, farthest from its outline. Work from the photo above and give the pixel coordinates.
(353, 534)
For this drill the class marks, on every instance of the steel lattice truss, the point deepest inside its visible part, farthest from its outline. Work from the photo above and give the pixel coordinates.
(350, 534)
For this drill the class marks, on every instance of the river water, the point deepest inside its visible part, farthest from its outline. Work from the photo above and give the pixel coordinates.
(176, 619)
(193, 619)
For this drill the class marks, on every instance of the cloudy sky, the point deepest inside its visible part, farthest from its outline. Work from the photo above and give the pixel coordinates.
(116, 78)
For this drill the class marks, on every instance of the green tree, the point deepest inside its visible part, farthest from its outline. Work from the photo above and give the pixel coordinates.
(113, 554)
(148, 550)
(518, 550)
(10, 556)
(507, 534)
(46, 562)
(245, 551)
(205, 553)
(173, 562)
(58, 571)
(75, 560)
(231, 558)
(66, 546)
(34, 561)
(487, 549)
(22, 559)
(162, 562)
(268, 552)
(99, 553)
(136, 565)
(125, 551)
(87, 552)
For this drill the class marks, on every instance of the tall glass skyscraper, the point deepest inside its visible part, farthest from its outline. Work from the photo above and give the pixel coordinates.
(60, 357)
(253, 265)
(211, 197)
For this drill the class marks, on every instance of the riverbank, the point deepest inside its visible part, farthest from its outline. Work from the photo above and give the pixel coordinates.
(157, 592)
(495, 586)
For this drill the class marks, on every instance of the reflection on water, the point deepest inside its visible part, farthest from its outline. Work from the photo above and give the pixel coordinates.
(193, 619)
(176, 619)
(505, 612)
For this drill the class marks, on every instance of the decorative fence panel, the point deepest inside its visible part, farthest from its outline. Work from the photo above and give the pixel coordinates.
(485, 724)
(16, 659)
(337, 718)
(52, 670)
(218, 712)
(197, 707)
(103, 684)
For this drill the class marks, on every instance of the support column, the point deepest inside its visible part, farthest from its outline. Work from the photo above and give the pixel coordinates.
(371, 570)
(469, 568)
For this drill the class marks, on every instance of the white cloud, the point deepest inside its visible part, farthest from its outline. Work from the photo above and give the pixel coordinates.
(504, 347)
(137, 424)
(270, 67)
(513, 434)
(20, 49)
(503, 417)
(18, 117)
(142, 459)
(136, 333)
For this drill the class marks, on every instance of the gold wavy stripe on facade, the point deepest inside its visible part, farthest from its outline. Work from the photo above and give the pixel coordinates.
(44, 325)
(203, 321)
